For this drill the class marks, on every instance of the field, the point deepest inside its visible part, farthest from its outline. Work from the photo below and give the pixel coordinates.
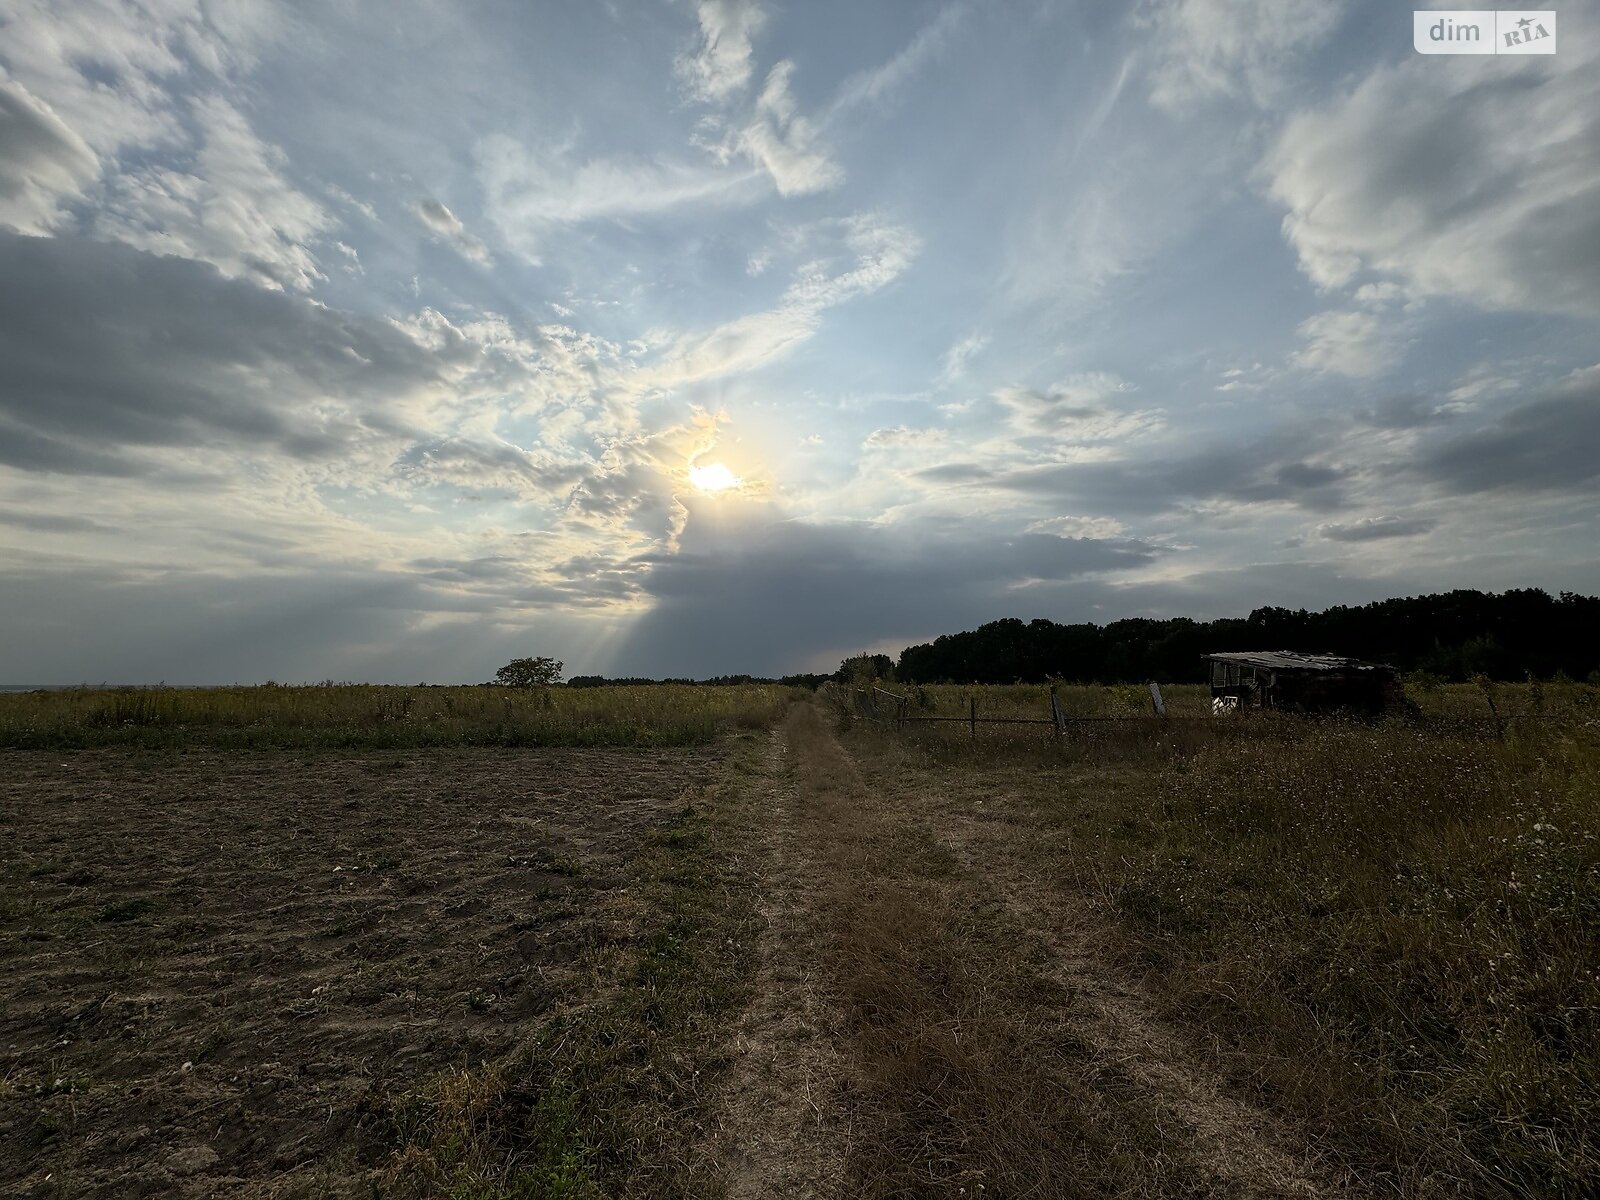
(768, 949)
(223, 969)
(363, 716)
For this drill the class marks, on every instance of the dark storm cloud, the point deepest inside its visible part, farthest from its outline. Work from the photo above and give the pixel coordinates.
(22, 447)
(1375, 529)
(103, 347)
(761, 597)
(1547, 445)
(1268, 470)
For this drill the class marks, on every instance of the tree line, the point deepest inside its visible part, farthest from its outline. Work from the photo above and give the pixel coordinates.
(1453, 635)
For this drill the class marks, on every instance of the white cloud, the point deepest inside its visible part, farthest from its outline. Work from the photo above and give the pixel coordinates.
(43, 162)
(954, 364)
(784, 143)
(534, 190)
(441, 220)
(1080, 527)
(877, 84)
(877, 253)
(1207, 49)
(721, 64)
(1075, 410)
(184, 171)
(1475, 179)
(1353, 342)
(904, 437)
(109, 68)
(231, 205)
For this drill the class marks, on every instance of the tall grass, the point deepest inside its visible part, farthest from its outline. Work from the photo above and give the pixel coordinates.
(358, 715)
(1481, 702)
(1392, 928)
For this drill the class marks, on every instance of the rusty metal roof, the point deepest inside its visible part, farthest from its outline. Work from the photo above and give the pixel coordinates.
(1293, 660)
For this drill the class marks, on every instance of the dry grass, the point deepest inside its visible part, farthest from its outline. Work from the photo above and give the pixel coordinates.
(1386, 931)
(614, 1099)
(968, 1075)
(351, 716)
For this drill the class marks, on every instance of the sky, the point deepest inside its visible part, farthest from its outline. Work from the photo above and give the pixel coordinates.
(391, 340)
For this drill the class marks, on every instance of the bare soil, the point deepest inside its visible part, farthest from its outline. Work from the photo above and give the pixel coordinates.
(217, 970)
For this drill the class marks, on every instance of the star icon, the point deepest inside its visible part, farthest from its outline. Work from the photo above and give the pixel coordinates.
(1525, 22)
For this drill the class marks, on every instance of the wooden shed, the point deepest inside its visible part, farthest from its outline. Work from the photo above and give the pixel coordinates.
(1295, 682)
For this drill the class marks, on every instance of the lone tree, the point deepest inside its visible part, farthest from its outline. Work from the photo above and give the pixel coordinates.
(529, 673)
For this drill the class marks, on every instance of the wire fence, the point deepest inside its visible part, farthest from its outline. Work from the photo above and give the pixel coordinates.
(891, 709)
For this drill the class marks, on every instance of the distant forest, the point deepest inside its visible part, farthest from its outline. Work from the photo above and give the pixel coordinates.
(1454, 635)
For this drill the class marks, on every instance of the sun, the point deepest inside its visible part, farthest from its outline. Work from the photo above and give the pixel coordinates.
(713, 477)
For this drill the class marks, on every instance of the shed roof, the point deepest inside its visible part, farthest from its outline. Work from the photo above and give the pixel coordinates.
(1293, 660)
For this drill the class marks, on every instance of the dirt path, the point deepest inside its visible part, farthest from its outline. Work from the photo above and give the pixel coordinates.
(934, 1018)
(1240, 1145)
(784, 1130)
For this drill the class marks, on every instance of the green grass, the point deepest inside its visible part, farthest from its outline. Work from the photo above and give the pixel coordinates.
(358, 716)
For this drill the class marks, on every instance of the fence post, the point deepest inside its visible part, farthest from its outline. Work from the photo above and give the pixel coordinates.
(1055, 715)
(972, 716)
(1155, 698)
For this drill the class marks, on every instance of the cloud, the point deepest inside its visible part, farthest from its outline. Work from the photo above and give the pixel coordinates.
(1353, 342)
(1211, 49)
(534, 190)
(114, 70)
(230, 205)
(1543, 445)
(1373, 529)
(864, 254)
(1482, 184)
(1296, 467)
(720, 66)
(784, 143)
(877, 84)
(51, 522)
(1406, 412)
(146, 99)
(1075, 410)
(954, 364)
(481, 463)
(442, 221)
(732, 584)
(239, 367)
(901, 436)
(43, 162)
(92, 622)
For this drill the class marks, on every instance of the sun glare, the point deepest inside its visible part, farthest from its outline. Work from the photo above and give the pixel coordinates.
(713, 477)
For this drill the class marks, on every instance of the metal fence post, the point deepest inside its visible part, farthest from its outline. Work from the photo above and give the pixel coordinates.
(972, 716)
